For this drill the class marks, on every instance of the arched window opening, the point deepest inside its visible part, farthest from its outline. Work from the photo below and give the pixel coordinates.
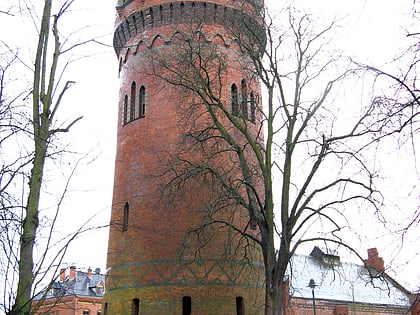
(244, 103)
(133, 101)
(127, 24)
(135, 307)
(106, 308)
(125, 109)
(161, 13)
(234, 99)
(171, 12)
(120, 65)
(142, 101)
(215, 14)
(125, 217)
(142, 20)
(152, 22)
(253, 106)
(182, 9)
(186, 305)
(240, 308)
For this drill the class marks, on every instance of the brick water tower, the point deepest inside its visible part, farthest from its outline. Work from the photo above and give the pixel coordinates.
(155, 263)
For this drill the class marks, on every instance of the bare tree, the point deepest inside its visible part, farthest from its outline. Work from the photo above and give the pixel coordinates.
(21, 222)
(313, 167)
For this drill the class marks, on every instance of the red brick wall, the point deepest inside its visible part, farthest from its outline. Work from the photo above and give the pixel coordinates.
(145, 260)
(326, 307)
(70, 305)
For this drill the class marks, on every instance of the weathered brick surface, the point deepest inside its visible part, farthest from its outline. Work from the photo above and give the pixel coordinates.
(145, 261)
(330, 307)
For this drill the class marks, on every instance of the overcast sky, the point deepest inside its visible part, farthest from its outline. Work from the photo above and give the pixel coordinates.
(370, 30)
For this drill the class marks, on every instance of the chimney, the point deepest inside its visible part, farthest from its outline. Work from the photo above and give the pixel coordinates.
(374, 261)
(89, 273)
(62, 274)
(72, 272)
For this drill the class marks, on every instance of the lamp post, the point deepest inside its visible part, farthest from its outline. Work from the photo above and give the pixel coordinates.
(312, 285)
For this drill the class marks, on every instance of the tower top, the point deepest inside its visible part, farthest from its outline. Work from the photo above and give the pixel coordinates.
(137, 17)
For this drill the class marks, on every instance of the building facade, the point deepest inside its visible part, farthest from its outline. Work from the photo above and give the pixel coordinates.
(156, 265)
(74, 293)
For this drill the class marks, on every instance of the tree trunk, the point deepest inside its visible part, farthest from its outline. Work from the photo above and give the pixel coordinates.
(41, 124)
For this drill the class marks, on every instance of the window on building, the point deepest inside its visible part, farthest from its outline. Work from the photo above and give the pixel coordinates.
(240, 308)
(142, 101)
(135, 307)
(186, 305)
(234, 99)
(125, 109)
(99, 313)
(151, 16)
(106, 308)
(86, 312)
(125, 217)
(253, 106)
(244, 103)
(133, 101)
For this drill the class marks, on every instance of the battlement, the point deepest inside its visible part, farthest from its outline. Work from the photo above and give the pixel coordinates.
(138, 22)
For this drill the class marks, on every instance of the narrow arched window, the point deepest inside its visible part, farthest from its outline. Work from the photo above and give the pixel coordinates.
(253, 106)
(133, 101)
(240, 307)
(142, 101)
(186, 305)
(106, 308)
(215, 13)
(234, 99)
(125, 217)
(142, 20)
(135, 307)
(182, 9)
(244, 103)
(171, 12)
(152, 20)
(125, 109)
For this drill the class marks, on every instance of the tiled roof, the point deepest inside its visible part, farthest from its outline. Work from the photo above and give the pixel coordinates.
(81, 285)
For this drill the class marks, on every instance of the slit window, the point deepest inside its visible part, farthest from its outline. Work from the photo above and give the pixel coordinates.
(135, 307)
(240, 308)
(106, 308)
(125, 217)
(133, 101)
(234, 99)
(253, 106)
(142, 101)
(186, 305)
(244, 103)
(125, 109)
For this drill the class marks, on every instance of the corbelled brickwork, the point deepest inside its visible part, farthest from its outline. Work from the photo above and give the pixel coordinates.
(154, 267)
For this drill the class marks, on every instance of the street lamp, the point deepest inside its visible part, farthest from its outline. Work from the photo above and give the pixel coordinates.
(312, 285)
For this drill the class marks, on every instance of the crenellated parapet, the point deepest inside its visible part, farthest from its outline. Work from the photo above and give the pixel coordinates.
(140, 21)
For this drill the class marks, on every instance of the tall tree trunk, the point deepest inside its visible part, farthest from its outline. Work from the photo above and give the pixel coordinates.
(41, 123)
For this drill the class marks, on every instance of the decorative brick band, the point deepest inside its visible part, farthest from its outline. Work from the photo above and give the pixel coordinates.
(171, 13)
(209, 272)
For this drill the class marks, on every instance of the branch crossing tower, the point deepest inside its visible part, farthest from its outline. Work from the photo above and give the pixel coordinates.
(166, 255)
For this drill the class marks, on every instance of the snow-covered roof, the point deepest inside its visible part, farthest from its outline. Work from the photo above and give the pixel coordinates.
(343, 281)
(83, 284)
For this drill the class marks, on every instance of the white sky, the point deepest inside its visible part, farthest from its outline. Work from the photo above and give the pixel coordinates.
(370, 30)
